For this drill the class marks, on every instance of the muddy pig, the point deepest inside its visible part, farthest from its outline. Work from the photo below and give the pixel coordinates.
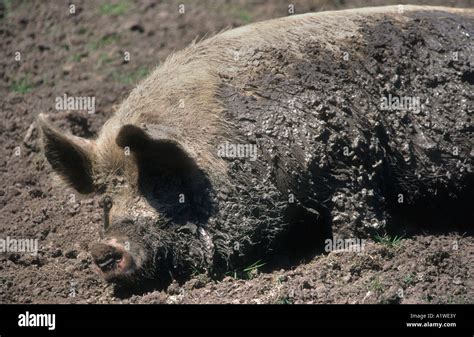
(275, 136)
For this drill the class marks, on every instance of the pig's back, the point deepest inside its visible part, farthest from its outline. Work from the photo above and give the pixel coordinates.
(296, 82)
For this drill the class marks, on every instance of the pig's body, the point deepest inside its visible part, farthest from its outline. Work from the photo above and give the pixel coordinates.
(305, 92)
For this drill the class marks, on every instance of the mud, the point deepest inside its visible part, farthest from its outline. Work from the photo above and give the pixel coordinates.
(82, 55)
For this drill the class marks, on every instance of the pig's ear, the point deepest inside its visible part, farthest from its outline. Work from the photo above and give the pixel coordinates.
(157, 150)
(70, 156)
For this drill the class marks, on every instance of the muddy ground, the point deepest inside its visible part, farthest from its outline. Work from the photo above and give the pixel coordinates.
(81, 54)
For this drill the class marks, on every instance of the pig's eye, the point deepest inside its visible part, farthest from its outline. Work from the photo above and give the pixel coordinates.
(106, 204)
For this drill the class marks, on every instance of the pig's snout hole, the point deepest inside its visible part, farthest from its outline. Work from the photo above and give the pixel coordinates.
(112, 260)
(106, 257)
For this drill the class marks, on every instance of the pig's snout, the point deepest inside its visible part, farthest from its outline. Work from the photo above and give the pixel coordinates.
(105, 256)
(112, 260)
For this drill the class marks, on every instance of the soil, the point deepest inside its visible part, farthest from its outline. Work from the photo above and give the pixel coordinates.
(82, 54)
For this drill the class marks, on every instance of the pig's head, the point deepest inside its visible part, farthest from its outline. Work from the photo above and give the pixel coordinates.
(153, 195)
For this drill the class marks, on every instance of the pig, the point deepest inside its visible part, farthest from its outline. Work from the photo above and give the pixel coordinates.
(272, 137)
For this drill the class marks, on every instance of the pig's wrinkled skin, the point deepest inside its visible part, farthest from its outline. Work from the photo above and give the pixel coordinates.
(329, 159)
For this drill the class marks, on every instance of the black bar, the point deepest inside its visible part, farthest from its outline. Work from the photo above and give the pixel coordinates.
(238, 320)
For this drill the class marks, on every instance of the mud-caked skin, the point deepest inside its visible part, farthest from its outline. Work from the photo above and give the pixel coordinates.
(306, 93)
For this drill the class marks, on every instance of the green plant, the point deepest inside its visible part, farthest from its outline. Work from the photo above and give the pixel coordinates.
(115, 9)
(247, 273)
(104, 59)
(427, 298)
(131, 77)
(452, 299)
(244, 16)
(75, 57)
(196, 271)
(104, 41)
(409, 279)
(376, 286)
(253, 269)
(22, 85)
(9, 6)
(285, 300)
(388, 240)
